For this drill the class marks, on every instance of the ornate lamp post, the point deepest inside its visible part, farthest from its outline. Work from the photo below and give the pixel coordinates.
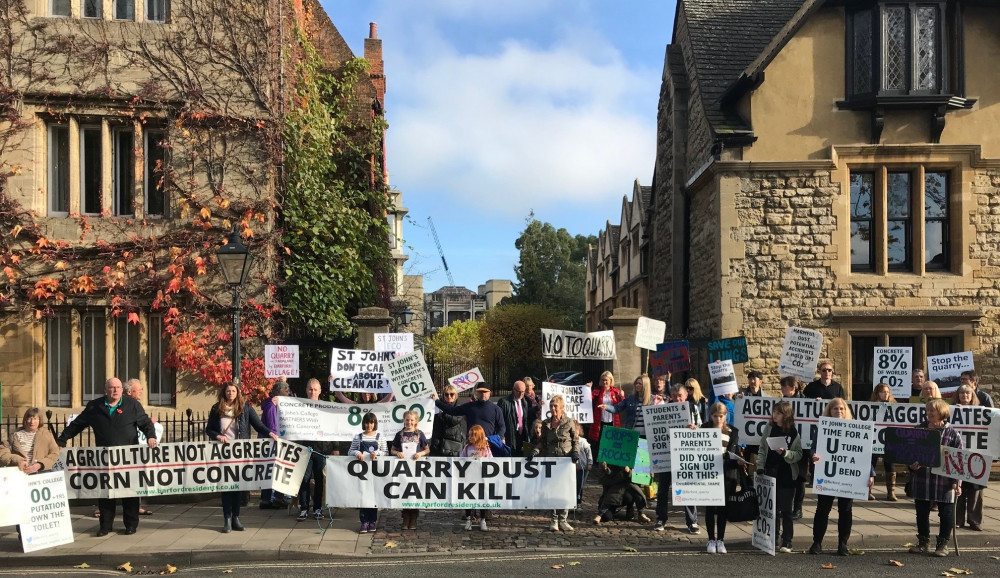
(235, 260)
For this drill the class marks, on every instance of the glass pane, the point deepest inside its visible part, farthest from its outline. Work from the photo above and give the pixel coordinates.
(57, 351)
(897, 243)
(903, 341)
(153, 173)
(899, 195)
(895, 48)
(861, 238)
(863, 52)
(862, 357)
(861, 195)
(941, 345)
(91, 170)
(927, 48)
(124, 9)
(92, 8)
(59, 168)
(935, 245)
(162, 383)
(156, 10)
(93, 340)
(60, 7)
(935, 195)
(126, 349)
(124, 169)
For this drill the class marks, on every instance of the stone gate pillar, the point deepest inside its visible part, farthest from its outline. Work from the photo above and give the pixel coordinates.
(628, 366)
(369, 321)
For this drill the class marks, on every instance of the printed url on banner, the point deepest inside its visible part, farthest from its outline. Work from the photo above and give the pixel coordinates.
(186, 490)
(469, 505)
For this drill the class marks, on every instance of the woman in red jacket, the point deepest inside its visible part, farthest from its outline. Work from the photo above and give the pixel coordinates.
(604, 394)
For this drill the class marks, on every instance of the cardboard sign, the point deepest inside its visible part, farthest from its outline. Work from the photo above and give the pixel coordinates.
(723, 377)
(618, 446)
(641, 473)
(467, 380)
(409, 377)
(894, 367)
(649, 333)
(671, 357)
(765, 526)
(905, 445)
(578, 399)
(658, 421)
(800, 353)
(697, 467)
(559, 344)
(732, 348)
(946, 370)
(359, 370)
(307, 419)
(959, 464)
(845, 452)
(13, 489)
(281, 361)
(49, 523)
(398, 343)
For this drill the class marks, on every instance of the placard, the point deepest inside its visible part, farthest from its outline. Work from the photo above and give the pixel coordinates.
(906, 445)
(731, 348)
(451, 483)
(960, 464)
(800, 353)
(946, 370)
(618, 446)
(697, 467)
(281, 361)
(359, 370)
(671, 357)
(649, 333)
(559, 344)
(765, 526)
(658, 421)
(409, 377)
(326, 421)
(13, 489)
(894, 367)
(845, 458)
(398, 343)
(466, 380)
(641, 473)
(579, 401)
(49, 523)
(723, 376)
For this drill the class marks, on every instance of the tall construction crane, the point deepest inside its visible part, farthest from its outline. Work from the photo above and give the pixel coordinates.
(437, 242)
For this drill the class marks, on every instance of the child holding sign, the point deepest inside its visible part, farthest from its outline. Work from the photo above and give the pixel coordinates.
(715, 516)
(780, 452)
(410, 442)
(477, 447)
(368, 442)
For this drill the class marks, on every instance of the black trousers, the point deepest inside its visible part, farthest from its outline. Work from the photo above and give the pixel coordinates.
(130, 512)
(845, 517)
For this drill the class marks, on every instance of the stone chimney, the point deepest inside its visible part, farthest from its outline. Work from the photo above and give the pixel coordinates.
(373, 54)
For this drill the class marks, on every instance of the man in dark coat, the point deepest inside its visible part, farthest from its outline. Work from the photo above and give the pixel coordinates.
(480, 411)
(116, 420)
(515, 417)
(824, 387)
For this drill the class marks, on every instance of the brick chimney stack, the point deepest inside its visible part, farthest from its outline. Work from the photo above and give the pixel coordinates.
(373, 54)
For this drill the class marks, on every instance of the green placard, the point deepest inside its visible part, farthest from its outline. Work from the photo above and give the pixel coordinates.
(618, 446)
(641, 473)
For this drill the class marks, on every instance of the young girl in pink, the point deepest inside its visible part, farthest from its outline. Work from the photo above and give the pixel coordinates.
(476, 447)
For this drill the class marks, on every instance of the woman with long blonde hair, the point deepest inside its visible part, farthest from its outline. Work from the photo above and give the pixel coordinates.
(606, 393)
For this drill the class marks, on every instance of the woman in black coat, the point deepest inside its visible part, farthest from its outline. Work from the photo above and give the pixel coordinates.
(231, 419)
(448, 437)
(715, 516)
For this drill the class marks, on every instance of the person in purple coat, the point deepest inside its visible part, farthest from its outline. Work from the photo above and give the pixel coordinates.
(269, 415)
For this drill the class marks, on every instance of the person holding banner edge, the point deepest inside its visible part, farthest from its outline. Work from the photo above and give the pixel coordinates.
(930, 488)
(970, 503)
(782, 463)
(558, 440)
(32, 447)
(317, 461)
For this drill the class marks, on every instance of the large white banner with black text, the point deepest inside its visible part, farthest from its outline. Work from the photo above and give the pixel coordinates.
(325, 421)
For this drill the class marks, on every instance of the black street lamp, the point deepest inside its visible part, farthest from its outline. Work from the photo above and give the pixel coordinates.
(403, 317)
(235, 260)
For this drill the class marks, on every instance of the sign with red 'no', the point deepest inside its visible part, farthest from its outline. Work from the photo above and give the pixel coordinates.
(281, 361)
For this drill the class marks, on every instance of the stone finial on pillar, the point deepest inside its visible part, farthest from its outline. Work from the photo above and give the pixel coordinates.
(369, 321)
(628, 366)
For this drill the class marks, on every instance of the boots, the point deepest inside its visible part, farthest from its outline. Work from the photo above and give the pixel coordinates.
(941, 549)
(227, 526)
(236, 524)
(555, 522)
(842, 548)
(407, 516)
(564, 524)
(816, 548)
(921, 547)
(413, 519)
(890, 487)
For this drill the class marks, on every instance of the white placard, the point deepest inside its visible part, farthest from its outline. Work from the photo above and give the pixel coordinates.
(696, 459)
(49, 524)
(649, 333)
(765, 526)
(359, 370)
(845, 458)
(723, 376)
(559, 344)
(800, 353)
(409, 377)
(13, 489)
(307, 419)
(451, 483)
(658, 421)
(398, 343)
(964, 465)
(281, 361)
(894, 367)
(946, 370)
(467, 380)
(578, 398)
(290, 465)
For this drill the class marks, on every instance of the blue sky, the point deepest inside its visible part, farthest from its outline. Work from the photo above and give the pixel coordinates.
(497, 108)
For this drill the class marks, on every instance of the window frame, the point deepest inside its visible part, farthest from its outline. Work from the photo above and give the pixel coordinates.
(126, 347)
(921, 350)
(52, 10)
(871, 266)
(94, 364)
(100, 10)
(150, 179)
(114, 10)
(164, 5)
(58, 364)
(117, 171)
(157, 374)
(84, 129)
(55, 176)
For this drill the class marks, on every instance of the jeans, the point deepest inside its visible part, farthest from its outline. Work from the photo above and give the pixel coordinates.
(130, 512)
(969, 505)
(314, 469)
(231, 504)
(946, 515)
(845, 517)
(663, 481)
(368, 515)
(580, 475)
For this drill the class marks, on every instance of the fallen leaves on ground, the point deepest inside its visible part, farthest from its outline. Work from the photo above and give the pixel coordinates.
(629, 549)
(390, 544)
(827, 566)
(959, 571)
(83, 565)
(230, 571)
(126, 567)
(574, 563)
(856, 552)
(169, 570)
(895, 563)
(909, 545)
(557, 567)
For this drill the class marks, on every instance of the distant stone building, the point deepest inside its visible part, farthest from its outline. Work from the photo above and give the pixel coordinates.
(831, 165)
(450, 303)
(495, 291)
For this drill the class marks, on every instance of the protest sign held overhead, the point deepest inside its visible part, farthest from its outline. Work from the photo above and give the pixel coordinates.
(697, 467)
(658, 421)
(409, 377)
(844, 447)
(49, 523)
(359, 370)
(326, 421)
(466, 380)
(965, 466)
(649, 333)
(578, 398)
(946, 370)
(447, 483)
(281, 361)
(765, 526)
(398, 343)
(723, 376)
(800, 353)
(894, 367)
(670, 357)
(732, 348)
(559, 344)
(618, 446)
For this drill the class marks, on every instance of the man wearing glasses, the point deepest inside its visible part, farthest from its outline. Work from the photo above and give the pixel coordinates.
(824, 387)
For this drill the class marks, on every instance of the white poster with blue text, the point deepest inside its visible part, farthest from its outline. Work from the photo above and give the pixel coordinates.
(696, 460)
(844, 448)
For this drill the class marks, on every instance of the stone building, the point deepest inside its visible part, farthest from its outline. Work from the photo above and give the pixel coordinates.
(832, 165)
(452, 303)
(617, 268)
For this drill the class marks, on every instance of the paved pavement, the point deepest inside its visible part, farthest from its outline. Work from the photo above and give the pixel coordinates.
(189, 533)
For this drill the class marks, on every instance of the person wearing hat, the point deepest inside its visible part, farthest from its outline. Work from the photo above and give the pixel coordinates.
(479, 411)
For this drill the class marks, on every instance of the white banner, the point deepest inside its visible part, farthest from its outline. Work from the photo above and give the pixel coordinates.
(578, 398)
(845, 458)
(326, 421)
(409, 377)
(281, 361)
(946, 370)
(894, 367)
(964, 465)
(649, 333)
(13, 489)
(49, 524)
(658, 421)
(559, 344)
(451, 483)
(359, 370)
(181, 468)
(765, 526)
(723, 376)
(800, 353)
(467, 380)
(398, 343)
(696, 457)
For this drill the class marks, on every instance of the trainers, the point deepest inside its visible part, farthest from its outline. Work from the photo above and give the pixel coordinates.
(694, 529)
(713, 547)
(660, 526)
(785, 549)
(364, 528)
(318, 514)
(468, 524)
(797, 514)
(565, 527)
(720, 547)
(482, 525)
(302, 515)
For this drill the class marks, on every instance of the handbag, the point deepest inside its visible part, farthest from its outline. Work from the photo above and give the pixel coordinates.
(742, 506)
